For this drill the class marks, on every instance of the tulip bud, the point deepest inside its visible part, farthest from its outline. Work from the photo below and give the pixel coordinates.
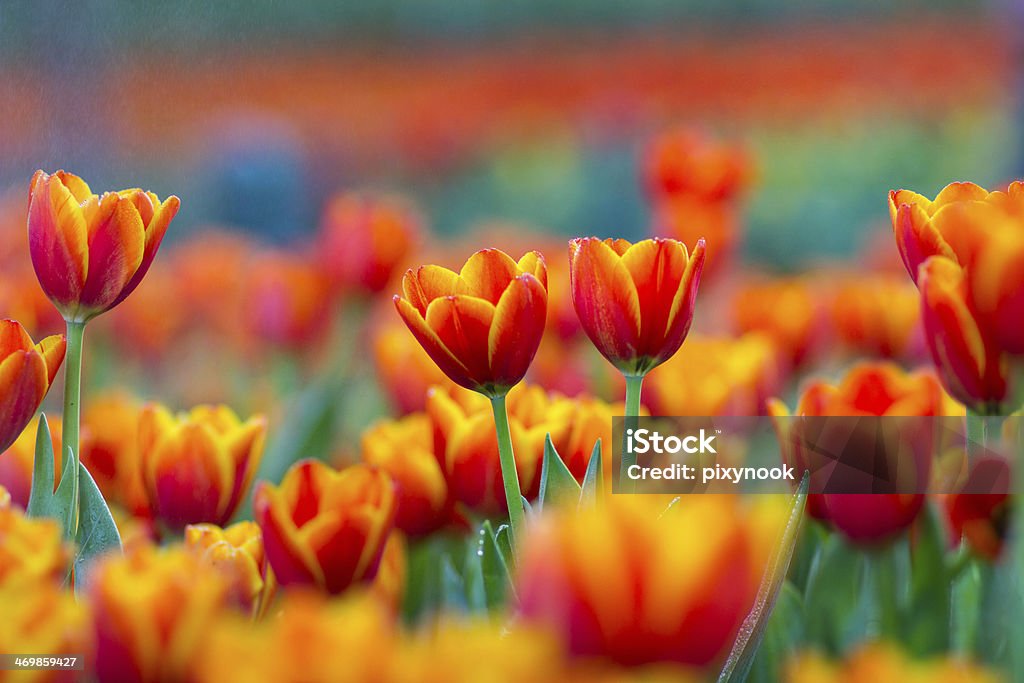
(326, 528)
(26, 372)
(90, 252)
(198, 466)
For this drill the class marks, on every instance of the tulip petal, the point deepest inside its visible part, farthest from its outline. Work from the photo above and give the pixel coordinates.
(533, 263)
(292, 561)
(13, 337)
(155, 231)
(463, 323)
(606, 299)
(52, 351)
(487, 273)
(432, 344)
(426, 283)
(58, 242)
(958, 192)
(657, 268)
(516, 329)
(115, 252)
(23, 386)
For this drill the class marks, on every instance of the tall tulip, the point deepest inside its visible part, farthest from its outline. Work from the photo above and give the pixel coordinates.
(482, 327)
(26, 372)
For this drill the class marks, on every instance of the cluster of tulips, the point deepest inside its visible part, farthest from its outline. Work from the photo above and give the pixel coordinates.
(473, 535)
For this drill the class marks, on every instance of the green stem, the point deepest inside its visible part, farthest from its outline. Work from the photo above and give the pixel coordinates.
(633, 385)
(72, 408)
(509, 475)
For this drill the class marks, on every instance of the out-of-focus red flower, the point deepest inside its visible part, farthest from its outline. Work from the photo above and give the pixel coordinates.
(972, 368)
(90, 252)
(404, 448)
(366, 239)
(152, 608)
(482, 325)
(982, 519)
(110, 450)
(152, 322)
(26, 372)
(286, 300)
(787, 310)
(32, 551)
(590, 576)
(405, 370)
(868, 389)
(326, 528)
(878, 315)
(685, 162)
(198, 466)
(635, 301)
(237, 553)
(716, 376)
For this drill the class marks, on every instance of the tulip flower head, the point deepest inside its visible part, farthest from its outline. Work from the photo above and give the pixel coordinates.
(198, 466)
(482, 325)
(26, 372)
(324, 528)
(237, 553)
(635, 301)
(89, 251)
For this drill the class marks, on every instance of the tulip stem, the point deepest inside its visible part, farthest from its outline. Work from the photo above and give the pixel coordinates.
(633, 386)
(72, 407)
(509, 475)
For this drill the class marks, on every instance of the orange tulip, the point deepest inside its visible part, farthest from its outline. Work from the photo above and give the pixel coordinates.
(110, 450)
(686, 163)
(326, 528)
(32, 551)
(482, 325)
(688, 218)
(610, 583)
(878, 315)
(995, 286)
(881, 663)
(286, 300)
(635, 301)
(237, 553)
(152, 609)
(90, 252)
(868, 389)
(198, 466)
(405, 450)
(972, 367)
(788, 310)
(982, 519)
(44, 620)
(26, 372)
(364, 239)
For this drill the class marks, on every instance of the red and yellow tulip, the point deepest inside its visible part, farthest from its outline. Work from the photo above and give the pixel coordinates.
(45, 619)
(32, 551)
(237, 553)
(325, 528)
(89, 251)
(882, 663)
(635, 301)
(26, 372)
(482, 325)
(198, 466)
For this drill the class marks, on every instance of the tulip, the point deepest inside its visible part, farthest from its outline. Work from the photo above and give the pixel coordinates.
(403, 368)
(881, 663)
(631, 582)
(286, 301)
(982, 519)
(198, 466)
(405, 450)
(237, 553)
(685, 163)
(635, 301)
(787, 310)
(364, 240)
(995, 288)
(867, 389)
(110, 450)
(326, 528)
(45, 620)
(26, 372)
(152, 609)
(971, 366)
(878, 316)
(32, 551)
(90, 252)
(482, 325)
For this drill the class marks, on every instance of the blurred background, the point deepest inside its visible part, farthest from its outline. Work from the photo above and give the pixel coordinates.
(532, 112)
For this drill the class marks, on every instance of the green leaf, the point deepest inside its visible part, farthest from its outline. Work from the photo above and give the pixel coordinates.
(496, 578)
(965, 610)
(453, 589)
(43, 501)
(593, 479)
(837, 611)
(557, 484)
(782, 638)
(930, 585)
(97, 533)
(503, 539)
(748, 640)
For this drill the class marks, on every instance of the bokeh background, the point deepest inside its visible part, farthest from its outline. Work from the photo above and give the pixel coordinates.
(532, 112)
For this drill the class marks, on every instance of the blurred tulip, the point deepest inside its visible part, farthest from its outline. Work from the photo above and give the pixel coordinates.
(575, 426)
(716, 376)
(365, 239)
(972, 368)
(635, 301)
(26, 372)
(982, 519)
(688, 219)
(286, 301)
(90, 252)
(404, 449)
(5, 498)
(482, 325)
(46, 620)
(237, 553)
(198, 466)
(404, 369)
(787, 310)
(389, 584)
(17, 462)
(882, 663)
(32, 551)
(152, 609)
(685, 162)
(110, 450)
(878, 315)
(326, 528)
(579, 573)
(868, 389)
